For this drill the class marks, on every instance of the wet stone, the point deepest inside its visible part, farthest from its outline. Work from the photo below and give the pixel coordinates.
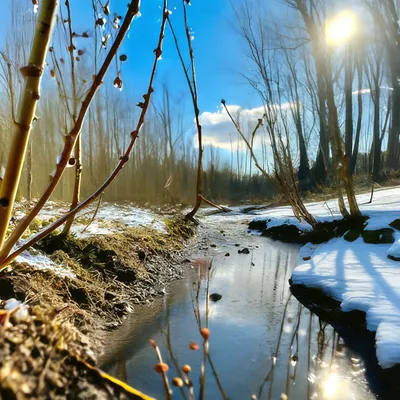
(352, 235)
(215, 297)
(395, 224)
(378, 236)
(244, 251)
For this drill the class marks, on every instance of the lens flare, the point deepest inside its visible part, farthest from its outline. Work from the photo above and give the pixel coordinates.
(341, 28)
(331, 386)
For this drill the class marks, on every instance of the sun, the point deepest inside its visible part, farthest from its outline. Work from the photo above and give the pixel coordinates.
(341, 28)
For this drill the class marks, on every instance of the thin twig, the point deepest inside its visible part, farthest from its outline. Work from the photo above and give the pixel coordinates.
(275, 355)
(122, 161)
(95, 213)
(72, 137)
(171, 352)
(167, 387)
(196, 311)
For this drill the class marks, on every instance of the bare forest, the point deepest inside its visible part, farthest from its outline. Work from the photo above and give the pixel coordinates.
(147, 148)
(328, 91)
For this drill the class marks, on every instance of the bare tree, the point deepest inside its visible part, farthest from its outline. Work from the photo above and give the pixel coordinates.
(9, 186)
(315, 26)
(26, 112)
(134, 134)
(359, 66)
(74, 54)
(386, 17)
(283, 172)
(192, 84)
(348, 90)
(374, 76)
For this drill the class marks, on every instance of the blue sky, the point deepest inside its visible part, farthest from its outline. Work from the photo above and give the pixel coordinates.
(218, 50)
(219, 53)
(217, 47)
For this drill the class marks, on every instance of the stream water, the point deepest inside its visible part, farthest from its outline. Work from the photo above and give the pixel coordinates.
(262, 340)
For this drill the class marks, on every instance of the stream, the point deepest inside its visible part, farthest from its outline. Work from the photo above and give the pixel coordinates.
(262, 341)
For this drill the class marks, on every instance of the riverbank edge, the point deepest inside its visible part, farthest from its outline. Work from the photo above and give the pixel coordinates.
(351, 326)
(320, 302)
(149, 257)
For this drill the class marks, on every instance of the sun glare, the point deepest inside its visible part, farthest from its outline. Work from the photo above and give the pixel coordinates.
(341, 28)
(331, 386)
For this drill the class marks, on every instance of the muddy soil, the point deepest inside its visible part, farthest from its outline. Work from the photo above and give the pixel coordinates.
(51, 351)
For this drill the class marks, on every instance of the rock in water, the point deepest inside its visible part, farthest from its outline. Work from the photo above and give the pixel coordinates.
(395, 224)
(215, 297)
(378, 236)
(244, 251)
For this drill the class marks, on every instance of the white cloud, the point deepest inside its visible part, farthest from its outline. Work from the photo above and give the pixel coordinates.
(367, 91)
(219, 130)
(362, 91)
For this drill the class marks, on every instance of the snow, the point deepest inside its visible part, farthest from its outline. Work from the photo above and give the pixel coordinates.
(20, 308)
(394, 250)
(278, 221)
(363, 278)
(359, 275)
(385, 208)
(44, 263)
(109, 219)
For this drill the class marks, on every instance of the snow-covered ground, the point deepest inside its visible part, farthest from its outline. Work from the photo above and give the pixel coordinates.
(109, 219)
(385, 207)
(359, 275)
(44, 263)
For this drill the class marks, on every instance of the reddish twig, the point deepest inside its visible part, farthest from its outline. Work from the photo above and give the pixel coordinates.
(122, 161)
(71, 138)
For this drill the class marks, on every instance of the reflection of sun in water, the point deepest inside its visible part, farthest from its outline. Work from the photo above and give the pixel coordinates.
(330, 386)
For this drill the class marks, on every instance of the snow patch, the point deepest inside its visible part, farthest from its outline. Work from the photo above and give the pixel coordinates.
(125, 214)
(43, 263)
(394, 250)
(279, 221)
(359, 275)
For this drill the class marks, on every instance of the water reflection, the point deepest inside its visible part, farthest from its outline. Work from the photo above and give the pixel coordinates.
(263, 342)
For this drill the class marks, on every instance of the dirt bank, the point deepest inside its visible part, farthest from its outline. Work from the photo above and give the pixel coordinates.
(88, 285)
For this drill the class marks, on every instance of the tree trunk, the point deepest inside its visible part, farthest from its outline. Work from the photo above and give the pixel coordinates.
(393, 142)
(348, 87)
(322, 162)
(359, 119)
(78, 165)
(26, 112)
(304, 169)
(376, 142)
(29, 177)
(338, 148)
